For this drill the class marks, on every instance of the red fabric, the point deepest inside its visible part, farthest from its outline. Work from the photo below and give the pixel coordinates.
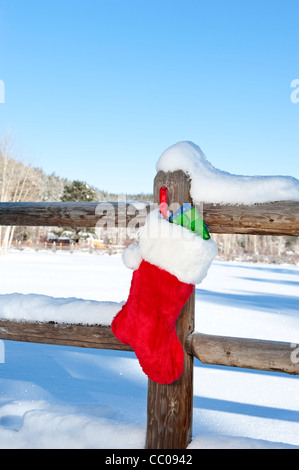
(163, 201)
(147, 321)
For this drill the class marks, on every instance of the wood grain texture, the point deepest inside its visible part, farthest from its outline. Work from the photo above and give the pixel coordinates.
(245, 353)
(276, 218)
(72, 214)
(170, 407)
(95, 336)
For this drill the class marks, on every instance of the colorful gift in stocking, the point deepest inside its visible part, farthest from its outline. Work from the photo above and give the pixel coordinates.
(168, 261)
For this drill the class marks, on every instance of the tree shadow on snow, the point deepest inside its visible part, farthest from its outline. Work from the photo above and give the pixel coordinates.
(203, 403)
(276, 269)
(274, 303)
(273, 281)
(91, 381)
(258, 411)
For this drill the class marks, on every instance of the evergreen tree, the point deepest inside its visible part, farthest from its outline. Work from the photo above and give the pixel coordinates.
(78, 191)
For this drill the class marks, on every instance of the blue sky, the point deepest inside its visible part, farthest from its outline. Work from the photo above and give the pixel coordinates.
(97, 89)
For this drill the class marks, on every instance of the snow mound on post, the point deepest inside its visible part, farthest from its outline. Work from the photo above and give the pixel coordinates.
(43, 308)
(209, 184)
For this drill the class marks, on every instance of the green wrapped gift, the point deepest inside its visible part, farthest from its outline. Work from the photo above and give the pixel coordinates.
(189, 217)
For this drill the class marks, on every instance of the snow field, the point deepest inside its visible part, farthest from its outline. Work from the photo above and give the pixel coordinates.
(61, 397)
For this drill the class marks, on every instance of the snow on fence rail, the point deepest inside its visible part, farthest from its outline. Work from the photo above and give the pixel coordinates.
(169, 412)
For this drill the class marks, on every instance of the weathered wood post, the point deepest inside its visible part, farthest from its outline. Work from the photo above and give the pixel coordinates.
(170, 407)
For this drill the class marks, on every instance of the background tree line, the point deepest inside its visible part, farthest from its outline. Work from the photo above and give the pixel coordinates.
(23, 182)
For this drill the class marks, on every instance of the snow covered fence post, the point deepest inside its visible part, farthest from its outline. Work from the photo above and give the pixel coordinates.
(170, 407)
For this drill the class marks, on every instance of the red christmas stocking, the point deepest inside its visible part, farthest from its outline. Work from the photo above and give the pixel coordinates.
(168, 261)
(147, 321)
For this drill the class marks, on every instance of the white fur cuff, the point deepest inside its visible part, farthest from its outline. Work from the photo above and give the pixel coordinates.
(173, 248)
(131, 256)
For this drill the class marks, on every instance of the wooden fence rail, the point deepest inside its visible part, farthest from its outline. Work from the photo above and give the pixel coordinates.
(169, 410)
(62, 334)
(72, 214)
(275, 218)
(242, 352)
(209, 349)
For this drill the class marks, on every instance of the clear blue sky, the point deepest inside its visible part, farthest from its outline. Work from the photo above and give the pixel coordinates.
(97, 89)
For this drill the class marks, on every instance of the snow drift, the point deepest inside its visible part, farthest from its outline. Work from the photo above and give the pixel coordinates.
(44, 308)
(209, 184)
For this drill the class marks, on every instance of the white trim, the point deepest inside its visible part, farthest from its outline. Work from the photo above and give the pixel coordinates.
(131, 256)
(173, 248)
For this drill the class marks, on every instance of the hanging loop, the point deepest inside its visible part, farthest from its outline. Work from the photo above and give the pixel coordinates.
(163, 201)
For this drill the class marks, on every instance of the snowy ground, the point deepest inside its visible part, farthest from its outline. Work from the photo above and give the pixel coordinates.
(61, 397)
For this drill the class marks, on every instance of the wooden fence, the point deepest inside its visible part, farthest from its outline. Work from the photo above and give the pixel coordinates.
(169, 407)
